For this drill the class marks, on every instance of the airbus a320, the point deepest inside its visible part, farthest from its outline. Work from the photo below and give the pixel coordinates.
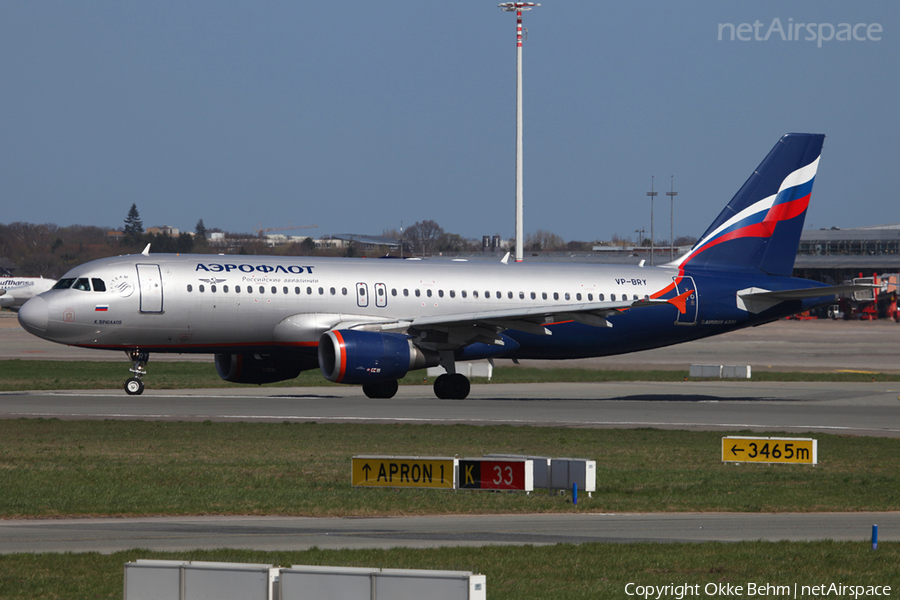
(369, 322)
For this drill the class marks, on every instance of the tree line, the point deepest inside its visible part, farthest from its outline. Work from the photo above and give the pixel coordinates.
(49, 250)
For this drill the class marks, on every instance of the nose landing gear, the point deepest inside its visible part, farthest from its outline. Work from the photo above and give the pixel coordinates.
(134, 386)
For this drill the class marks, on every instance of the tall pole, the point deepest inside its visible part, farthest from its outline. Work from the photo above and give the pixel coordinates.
(652, 195)
(671, 196)
(518, 7)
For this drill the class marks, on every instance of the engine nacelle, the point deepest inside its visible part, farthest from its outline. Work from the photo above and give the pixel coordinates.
(256, 368)
(350, 356)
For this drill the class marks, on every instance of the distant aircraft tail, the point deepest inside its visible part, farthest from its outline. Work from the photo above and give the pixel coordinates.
(760, 228)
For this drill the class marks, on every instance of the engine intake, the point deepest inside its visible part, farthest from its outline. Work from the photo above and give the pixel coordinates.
(349, 356)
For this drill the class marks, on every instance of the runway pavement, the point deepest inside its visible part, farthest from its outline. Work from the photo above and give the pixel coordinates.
(302, 533)
(848, 408)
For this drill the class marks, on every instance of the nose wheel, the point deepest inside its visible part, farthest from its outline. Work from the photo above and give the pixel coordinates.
(134, 386)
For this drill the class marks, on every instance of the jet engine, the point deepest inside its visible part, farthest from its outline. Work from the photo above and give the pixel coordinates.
(257, 368)
(350, 356)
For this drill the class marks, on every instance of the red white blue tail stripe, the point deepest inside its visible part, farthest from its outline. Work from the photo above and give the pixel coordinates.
(760, 228)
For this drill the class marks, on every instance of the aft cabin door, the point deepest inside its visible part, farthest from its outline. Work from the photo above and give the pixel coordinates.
(150, 281)
(691, 304)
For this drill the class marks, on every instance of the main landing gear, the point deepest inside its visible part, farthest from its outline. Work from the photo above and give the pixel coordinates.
(381, 389)
(134, 386)
(451, 386)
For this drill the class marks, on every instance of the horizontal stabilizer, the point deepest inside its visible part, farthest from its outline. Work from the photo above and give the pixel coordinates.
(756, 300)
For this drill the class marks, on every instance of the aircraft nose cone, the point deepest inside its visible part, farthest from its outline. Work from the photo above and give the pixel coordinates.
(34, 315)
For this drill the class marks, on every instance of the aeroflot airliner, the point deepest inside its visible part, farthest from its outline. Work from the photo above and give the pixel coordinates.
(369, 322)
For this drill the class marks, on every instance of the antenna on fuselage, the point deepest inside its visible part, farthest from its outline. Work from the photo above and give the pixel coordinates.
(146, 251)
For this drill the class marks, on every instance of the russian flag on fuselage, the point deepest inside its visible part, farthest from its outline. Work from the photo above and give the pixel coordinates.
(760, 228)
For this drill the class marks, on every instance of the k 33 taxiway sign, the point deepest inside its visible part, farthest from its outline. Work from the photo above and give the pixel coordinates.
(770, 450)
(403, 471)
(496, 474)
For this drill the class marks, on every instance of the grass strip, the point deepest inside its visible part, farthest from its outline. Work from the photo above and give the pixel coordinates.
(68, 468)
(563, 571)
(21, 375)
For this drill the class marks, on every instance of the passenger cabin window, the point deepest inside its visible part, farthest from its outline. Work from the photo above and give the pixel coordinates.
(190, 288)
(612, 297)
(212, 288)
(601, 297)
(98, 284)
(556, 295)
(201, 288)
(544, 295)
(533, 296)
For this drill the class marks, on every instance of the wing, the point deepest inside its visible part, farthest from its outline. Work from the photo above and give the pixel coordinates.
(450, 331)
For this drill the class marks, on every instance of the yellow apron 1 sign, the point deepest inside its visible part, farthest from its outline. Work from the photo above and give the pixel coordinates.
(770, 450)
(403, 471)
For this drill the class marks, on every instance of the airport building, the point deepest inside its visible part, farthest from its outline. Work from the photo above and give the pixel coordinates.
(835, 255)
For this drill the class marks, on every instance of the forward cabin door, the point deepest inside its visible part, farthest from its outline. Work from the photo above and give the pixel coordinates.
(150, 283)
(691, 305)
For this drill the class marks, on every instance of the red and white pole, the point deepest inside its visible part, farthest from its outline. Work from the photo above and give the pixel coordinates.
(520, 236)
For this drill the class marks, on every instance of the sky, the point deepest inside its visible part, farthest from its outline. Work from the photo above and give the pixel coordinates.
(359, 116)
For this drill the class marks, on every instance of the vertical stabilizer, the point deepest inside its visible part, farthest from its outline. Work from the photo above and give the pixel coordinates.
(760, 228)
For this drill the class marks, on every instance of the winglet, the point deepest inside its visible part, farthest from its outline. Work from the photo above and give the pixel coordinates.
(505, 259)
(680, 301)
(146, 251)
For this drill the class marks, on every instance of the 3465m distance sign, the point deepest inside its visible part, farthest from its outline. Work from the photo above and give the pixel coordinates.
(770, 450)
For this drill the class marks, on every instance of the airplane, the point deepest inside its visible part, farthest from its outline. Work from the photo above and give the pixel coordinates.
(369, 322)
(16, 291)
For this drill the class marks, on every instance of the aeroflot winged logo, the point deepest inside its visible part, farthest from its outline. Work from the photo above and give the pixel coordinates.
(245, 268)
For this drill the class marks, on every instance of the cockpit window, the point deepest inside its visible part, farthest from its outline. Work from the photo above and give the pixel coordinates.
(63, 284)
(98, 284)
(82, 284)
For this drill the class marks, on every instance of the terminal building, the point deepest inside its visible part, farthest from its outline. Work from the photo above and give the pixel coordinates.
(836, 255)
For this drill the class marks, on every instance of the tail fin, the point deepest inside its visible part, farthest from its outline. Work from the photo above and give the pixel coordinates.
(760, 228)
